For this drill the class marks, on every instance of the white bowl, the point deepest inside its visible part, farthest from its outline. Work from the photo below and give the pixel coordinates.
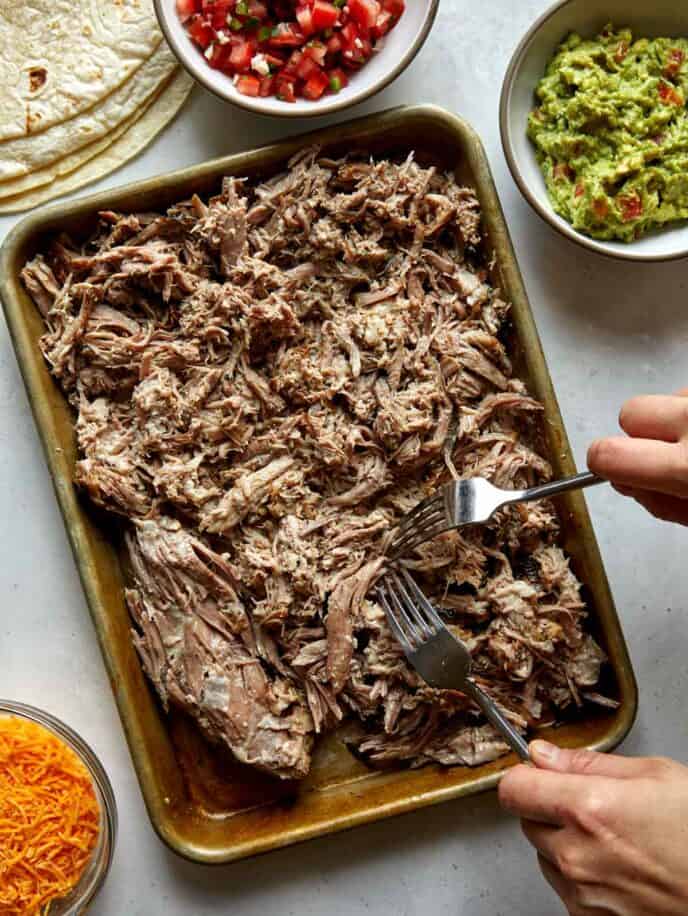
(396, 51)
(646, 19)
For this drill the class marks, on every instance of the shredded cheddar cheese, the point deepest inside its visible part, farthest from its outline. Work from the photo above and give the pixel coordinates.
(49, 818)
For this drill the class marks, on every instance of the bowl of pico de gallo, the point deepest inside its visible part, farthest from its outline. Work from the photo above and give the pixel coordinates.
(295, 58)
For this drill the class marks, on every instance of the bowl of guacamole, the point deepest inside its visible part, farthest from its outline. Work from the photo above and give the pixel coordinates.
(594, 123)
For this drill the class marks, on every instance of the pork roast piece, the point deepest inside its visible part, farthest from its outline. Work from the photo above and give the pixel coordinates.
(265, 382)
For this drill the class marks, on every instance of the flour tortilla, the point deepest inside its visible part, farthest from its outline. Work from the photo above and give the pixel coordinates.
(80, 157)
(69, 163)
(129, 140)
(62, 57)
(25, 154)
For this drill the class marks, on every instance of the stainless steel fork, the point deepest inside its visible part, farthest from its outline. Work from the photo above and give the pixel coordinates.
(437, 655)
(469, 502)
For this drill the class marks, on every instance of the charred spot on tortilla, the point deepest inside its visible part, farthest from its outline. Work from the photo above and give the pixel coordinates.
(33, 119)
(37, 78)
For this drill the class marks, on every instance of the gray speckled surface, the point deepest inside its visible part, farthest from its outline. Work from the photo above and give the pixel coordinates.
(609, 331)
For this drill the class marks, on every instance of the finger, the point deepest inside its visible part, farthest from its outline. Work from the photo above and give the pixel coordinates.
(655, 416)
(573, 898)
(561, 886)
(543, 837)
(541, 795)
(667, 508)
(624, 491)
(642, 463)
(681, 393)
(554, 877)
(582, 762)
(573, 857)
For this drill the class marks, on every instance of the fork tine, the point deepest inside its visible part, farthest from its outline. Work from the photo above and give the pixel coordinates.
(431, 504)
(393, 620)
(414, 612)
(429, 610)
(415, 637)
(423, 504)
(431, 524)
(415, 538)
(430, 515)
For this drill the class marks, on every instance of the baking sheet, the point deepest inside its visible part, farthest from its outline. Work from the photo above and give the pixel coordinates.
(202, 803)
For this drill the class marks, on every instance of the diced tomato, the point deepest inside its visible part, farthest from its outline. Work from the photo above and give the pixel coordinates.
(304, 17)
(364, 12)
(669, 95)
(220, 56)
(201, 33)
(248, 85)
(338, 79)
(359, 53)
(274, 59)
(383, 24)
(267, 86)
(218, 16)
(283, 10)
(676, 57)
(395, 7)
(285, 89)
(317, 51)
(600, 208)
(188, 8)
(631, 206)
(334, 44)
(349, 34)
(316, 85)
(306, 67)
(287, 35)
(240, 56)
(579, 190)
(562, 170)
(324, 15)
(257, 9)
(621, 51)
(356, 48)
(292, 65)
(308, 45)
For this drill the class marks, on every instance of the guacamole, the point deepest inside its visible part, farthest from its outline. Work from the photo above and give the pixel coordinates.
(611, 133)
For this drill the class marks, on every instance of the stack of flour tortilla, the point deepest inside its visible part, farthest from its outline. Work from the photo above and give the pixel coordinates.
(84, 86)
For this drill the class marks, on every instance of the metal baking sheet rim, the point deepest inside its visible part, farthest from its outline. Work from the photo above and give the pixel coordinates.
(380, 795)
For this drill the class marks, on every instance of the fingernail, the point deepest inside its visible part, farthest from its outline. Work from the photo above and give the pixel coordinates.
(545, 751)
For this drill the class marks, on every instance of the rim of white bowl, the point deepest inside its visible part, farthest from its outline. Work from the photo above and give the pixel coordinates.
(547, 213)
(246, 102)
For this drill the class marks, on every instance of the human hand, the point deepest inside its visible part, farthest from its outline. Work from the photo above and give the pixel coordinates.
(650, 463)
(611, 832)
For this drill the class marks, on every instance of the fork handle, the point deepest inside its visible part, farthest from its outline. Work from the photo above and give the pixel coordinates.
(577, 482)
(495, 717)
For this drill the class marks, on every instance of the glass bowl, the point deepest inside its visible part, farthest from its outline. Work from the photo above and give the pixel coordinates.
(94, 875)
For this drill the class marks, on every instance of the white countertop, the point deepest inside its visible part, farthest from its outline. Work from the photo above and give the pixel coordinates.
(609, 330)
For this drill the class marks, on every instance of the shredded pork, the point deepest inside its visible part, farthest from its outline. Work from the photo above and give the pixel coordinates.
(265, 382)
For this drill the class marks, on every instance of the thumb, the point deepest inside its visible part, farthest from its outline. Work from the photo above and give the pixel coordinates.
(548, 756)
